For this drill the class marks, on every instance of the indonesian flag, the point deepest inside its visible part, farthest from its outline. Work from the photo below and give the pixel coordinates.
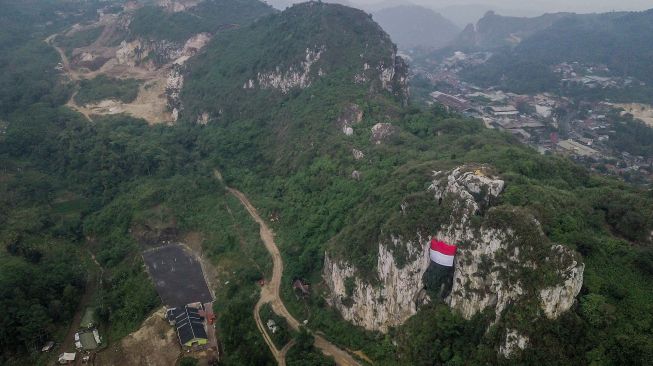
(442, 253)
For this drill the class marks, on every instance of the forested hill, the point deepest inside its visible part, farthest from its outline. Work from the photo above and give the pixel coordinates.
(283, 80)
(619, 40)
(495, 31)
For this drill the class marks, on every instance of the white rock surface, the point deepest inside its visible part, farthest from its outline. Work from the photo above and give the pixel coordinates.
(486, 257)
(294, 77)
(358, 155)
(386, 305)
(174, 84)
(558, 299)
(381, 131)
(514, 341)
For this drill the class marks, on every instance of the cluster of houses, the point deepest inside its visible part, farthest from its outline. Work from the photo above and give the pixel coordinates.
(590, 76)
(87, 339)
(534, 120)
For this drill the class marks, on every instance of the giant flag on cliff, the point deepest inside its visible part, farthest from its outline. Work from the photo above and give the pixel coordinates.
(442, 253)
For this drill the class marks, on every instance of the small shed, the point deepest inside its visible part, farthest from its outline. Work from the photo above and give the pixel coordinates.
(67, 358)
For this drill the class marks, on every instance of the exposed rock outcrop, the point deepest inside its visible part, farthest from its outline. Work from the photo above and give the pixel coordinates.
(294, 77)
(174, 83)
(352, 114)
(514, 342)
(381, 132)
(386, 304)
(503, 258)
(175, 6)
(492, 256)
(557, 299)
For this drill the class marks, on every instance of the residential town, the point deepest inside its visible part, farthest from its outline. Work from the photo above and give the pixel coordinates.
(549, 123)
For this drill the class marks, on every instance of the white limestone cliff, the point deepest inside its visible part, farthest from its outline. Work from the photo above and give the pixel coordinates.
(298, 76)
(487, 266)
(514, 342)
(383, 305)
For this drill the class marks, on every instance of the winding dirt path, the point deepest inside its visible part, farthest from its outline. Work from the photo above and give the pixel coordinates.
(270, 293)
(278, 355)
(64, 59)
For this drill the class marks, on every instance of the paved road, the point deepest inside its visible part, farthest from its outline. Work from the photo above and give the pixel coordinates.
(270, 293)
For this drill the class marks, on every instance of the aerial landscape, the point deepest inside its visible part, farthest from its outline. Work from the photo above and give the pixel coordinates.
(364, 182)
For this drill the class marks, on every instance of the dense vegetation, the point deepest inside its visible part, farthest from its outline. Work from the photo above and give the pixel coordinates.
(155, 23)
(71, 188)
(102, 87)
(78, 39)
(633, 136)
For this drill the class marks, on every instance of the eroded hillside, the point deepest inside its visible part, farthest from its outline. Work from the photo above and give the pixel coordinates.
(146, 43)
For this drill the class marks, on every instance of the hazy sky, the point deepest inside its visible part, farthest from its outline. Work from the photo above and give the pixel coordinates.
(537, 5)
(526, 6)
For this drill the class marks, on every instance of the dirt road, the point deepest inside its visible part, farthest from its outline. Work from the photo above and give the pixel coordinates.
(278, 355)
(62, 55)
(270, 293)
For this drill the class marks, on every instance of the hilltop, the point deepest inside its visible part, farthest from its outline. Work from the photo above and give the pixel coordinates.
(495, 31)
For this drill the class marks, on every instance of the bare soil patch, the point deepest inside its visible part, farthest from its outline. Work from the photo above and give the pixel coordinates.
(643, 112)
(154, 343)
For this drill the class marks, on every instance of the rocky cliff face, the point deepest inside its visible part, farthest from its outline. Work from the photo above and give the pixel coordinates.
(392, 75)
(297, 76)
(387, 303)
(174, 83)
(503, 258)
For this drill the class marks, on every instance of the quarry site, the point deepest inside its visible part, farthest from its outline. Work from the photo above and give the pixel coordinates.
(155, 64)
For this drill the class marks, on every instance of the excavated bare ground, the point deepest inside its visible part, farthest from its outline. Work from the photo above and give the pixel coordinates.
(155, 343)
(643, 112)
(150, 103)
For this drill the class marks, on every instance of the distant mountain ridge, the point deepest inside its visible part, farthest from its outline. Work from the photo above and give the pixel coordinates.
(494, 30)
(413, 26)
(523, 46)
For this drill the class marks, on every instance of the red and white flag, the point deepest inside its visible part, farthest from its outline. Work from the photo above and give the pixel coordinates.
(442, 253)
